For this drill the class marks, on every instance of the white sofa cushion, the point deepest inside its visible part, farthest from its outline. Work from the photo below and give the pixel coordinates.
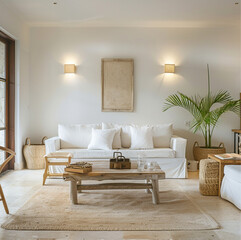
(162, 134)
(125, 133)
(233, 172)
(102, 139)
(128, 153)
(141, 137)
(76, 135)
(117, 138)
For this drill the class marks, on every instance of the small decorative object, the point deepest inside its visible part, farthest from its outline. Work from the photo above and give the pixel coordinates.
(119, 162)
(117, 85)
(34, 154)
(142, 165)
(79, 167)
(206, 115)
(150, 166)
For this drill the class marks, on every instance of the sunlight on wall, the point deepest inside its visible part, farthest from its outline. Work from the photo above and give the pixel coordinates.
(170, 79)
(71, 59)
(169, 59)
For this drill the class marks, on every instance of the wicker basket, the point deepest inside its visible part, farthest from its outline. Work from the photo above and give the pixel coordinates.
(202, 152)
(34, 154)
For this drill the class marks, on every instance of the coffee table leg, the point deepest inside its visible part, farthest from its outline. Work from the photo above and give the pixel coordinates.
(155, 189)
(78, 184)
(147, 190)
(73, 192)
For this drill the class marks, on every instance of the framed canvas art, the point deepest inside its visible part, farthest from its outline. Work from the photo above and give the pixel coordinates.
(117, 84)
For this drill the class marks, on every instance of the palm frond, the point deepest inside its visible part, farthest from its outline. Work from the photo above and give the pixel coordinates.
(183, 101)
(221, 97)
(232, 106)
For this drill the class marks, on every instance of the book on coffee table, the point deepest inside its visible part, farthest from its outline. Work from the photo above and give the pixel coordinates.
(79, 167)
(227, 156)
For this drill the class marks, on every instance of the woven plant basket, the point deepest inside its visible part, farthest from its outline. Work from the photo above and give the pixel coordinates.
(202, 152)
(34, 154)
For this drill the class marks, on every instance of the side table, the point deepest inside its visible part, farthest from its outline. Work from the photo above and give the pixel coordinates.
(56, 156)
(222, 163)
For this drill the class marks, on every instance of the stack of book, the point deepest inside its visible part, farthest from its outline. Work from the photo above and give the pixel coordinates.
(227, 156)
(79, 167)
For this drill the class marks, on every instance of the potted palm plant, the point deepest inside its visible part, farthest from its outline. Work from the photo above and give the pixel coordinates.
(206, 112)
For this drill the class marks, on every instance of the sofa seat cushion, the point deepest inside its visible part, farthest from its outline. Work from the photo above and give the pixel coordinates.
(233, 172)
(128, 153)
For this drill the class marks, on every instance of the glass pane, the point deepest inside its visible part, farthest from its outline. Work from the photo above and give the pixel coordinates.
(2, 143)
(2, 104)
(2, 60)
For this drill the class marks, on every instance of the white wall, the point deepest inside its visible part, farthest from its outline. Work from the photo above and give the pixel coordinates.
(17, 29)
(58, 98)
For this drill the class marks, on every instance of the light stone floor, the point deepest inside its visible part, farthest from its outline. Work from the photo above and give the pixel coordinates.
(19, 186)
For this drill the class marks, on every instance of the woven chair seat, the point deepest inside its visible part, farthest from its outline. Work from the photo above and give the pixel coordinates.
(208, 177)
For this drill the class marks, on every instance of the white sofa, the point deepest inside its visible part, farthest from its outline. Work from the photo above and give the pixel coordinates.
(169, 151)
(231, 185)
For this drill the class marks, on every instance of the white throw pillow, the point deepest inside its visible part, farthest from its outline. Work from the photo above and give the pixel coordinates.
(102, 139)
(125, 133)
(162, 134)
(75, 135)
(117, 138)
(141, 137)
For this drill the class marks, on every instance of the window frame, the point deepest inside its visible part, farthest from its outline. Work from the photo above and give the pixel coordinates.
(10, 95)
(6, 80)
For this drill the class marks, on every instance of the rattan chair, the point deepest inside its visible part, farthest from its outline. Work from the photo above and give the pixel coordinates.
(11, 155)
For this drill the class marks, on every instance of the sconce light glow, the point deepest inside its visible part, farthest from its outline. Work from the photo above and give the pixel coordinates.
(169, 68)
(69, 68)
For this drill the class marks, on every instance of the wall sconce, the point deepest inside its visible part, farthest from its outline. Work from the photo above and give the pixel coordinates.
(169, 68)
(69, 68)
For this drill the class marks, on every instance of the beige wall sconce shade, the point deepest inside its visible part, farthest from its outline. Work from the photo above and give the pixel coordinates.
(69, 68)
(169, 68)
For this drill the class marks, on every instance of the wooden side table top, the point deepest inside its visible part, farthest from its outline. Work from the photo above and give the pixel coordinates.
(236, 130)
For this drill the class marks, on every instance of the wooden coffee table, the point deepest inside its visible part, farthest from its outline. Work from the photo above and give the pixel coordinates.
(99, 174)
(222, 163)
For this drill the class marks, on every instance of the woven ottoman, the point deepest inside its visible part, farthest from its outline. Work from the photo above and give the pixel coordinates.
(208, 177)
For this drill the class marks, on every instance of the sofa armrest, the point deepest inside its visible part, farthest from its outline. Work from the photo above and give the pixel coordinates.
(179, 144)
(52, 144)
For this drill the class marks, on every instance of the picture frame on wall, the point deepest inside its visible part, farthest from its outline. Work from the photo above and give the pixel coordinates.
(117, 84)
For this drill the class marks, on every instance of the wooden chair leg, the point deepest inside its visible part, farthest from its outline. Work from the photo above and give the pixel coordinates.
(45, 172)
(4, 200)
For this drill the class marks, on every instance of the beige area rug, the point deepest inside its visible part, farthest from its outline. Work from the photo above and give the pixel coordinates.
(50, 209)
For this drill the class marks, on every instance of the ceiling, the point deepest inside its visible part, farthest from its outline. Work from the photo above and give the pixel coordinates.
(127, 13)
